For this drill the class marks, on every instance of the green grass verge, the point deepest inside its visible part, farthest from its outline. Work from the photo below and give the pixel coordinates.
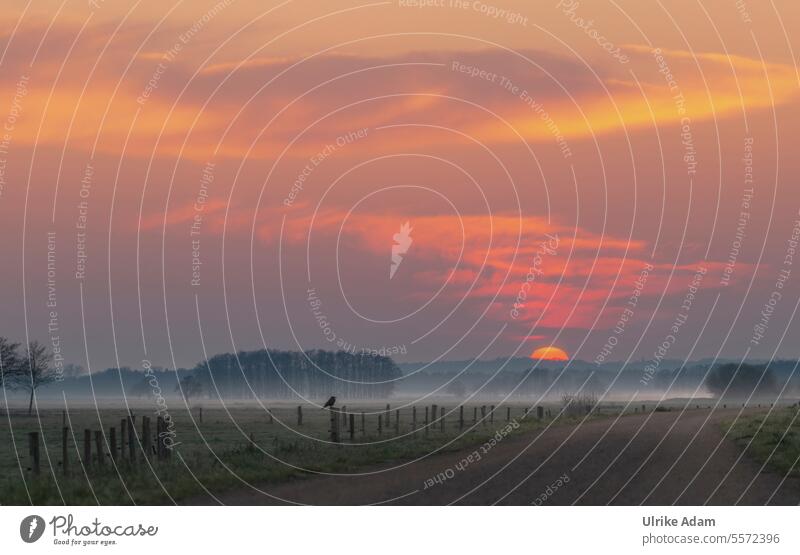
(774, 439)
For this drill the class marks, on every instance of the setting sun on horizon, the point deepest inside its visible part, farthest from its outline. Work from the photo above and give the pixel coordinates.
(549, 353)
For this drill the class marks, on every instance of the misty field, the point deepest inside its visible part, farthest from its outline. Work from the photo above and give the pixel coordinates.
(233, 446)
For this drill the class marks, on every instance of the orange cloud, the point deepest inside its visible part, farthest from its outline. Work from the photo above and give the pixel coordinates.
(310, 101)
(486, 258)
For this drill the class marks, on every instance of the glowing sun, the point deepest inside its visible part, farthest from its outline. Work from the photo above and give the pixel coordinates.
(549, 353)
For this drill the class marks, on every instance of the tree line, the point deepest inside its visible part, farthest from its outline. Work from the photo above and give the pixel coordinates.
(279, 374)
(272, 374)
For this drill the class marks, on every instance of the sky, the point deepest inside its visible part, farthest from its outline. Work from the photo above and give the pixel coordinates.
(428, 180)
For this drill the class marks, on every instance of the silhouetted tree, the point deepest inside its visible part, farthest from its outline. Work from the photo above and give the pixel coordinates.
(9, 362)
(34, 371)
(190, 386)
(735, 380)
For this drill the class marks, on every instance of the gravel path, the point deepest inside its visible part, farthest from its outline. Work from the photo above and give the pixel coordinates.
(641, 459)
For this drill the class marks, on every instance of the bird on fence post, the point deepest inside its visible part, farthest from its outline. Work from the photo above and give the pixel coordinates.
(330, 402)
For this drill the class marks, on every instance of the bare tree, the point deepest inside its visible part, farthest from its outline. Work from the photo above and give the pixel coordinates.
(9, 363)
(34, 371)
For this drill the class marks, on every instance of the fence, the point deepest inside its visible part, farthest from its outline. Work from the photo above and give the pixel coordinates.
(134, 442)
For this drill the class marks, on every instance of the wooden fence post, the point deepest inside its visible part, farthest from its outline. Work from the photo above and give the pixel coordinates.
(491, 414)
(98, 445)
(539, 412)
(442, 419)
(64, 450)
(461, 417)
(388, 415)
(164, 450)
(397, 421)
(508, 414)
(123, 437)
(112, 440)
(483, 414)
(352, 426)
(474, 415)
(33, 448)
(167, 446)
(159, 438)
(334, 424)
(380, 423)
(146, 442)
(413, 418)
(363, 423)
(132, 438)
(299, 415)
(87, 448)
(201, 415)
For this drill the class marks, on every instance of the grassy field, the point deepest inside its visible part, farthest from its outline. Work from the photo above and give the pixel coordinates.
(217, 454)
(773, 438)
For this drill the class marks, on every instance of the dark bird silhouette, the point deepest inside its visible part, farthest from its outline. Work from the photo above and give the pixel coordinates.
(329, 402)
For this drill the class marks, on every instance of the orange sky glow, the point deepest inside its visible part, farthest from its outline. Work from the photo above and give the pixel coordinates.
(221, 160)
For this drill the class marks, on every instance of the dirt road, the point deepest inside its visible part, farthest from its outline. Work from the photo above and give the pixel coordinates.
(640, 459)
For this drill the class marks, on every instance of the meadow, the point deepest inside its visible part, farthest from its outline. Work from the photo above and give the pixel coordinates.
(233, 446)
